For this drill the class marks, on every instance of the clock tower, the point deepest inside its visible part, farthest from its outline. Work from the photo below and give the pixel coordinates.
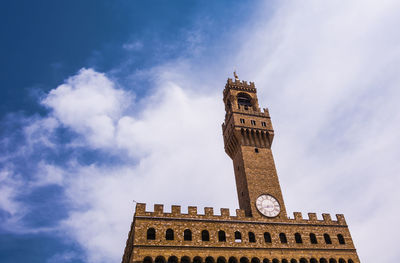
(248, 136)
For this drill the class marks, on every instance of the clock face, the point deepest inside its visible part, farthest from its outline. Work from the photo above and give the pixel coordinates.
(268, 205)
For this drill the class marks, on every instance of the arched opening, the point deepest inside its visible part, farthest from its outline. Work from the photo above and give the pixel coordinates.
(267, 237)
(151, 234)
(185, 259)
(303, 260)
(197, 259)
(160, 259)
(244, 260)
(313, 238)
(221, 236)
(327, 239)
(252, 237)
(238, 237)
(293, 260)
(323, 260)
(255, 260)
(172, 259)
(266, 260)
(350, 261)
(313, 260)
(284, 260)
(209, 260)
(332, 260)
(298, 239)
(283, 238)
(221, 260)
(169, 234)
(243, 99)
(341, 260)
(232, 260)
(275, 260)
(147, 260)
(341, 239)
(205, 236)
(187, 235)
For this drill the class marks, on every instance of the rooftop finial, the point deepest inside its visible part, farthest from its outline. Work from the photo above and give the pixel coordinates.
(235, 75)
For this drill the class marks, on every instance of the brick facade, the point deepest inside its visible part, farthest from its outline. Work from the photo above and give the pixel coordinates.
(159, 237)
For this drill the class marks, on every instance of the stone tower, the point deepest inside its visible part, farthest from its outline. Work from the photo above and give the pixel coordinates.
(260, 231)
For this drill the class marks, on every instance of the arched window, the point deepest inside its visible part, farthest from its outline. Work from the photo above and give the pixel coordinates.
(187, 235)
(221, 236)
(283, 238)
(303, 260)
(313, 260)
(293, 260)
(323, 260)
(169, 234)
(341, 260)
(350, 261)
(327, 239)
(252, 237)
(332, 260)
(255, 260)
(209, 260)
(275, 260)
(221, 260)
(238, 237)
(244, 99)
(205, 236)
(151, 234)
(267, 237)
(147, 260)
(313, 238)
(197, 259)
(232, 260)
(341, 239)
(244, 260)
(185, 259)
(298, 239)
(266, 260)
(160, 259)
(284, 260)
(172, 259)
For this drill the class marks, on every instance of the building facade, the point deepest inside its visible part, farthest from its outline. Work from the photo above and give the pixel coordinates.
(260, 231)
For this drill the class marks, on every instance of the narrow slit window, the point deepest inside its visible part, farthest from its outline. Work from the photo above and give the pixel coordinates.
(253, 122)
(264, 124)
(242, 121)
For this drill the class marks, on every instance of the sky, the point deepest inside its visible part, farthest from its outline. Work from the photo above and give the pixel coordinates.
(104, 103)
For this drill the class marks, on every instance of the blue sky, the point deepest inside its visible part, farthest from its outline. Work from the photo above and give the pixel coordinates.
(105, 102)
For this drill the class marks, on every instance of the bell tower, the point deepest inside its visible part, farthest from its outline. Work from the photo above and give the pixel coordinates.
(248, 135)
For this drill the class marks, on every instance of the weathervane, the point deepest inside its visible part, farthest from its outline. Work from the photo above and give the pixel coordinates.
(235, 75)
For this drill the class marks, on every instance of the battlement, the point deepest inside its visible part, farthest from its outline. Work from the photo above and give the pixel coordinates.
(240, 85)
(225, 215)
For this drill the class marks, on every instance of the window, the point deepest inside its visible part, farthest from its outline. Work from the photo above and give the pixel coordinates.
(267, 237)
(255, 260)
(244, 260)
(147, 260)
(209, 260)
(197, 260)
(151, 234)
(232, 260)
(221, 236)
(298, 239)
(303, 260)
(252, 237)
(187, 235)
(313, 238)
(253, 122)
(256, 150)
(205, 236)
(221, 260)
(293, 260)
(313, 260)
(323, 260)
(169, 235)
(275, 260)
(332, 260)
(264, 124)
(160, 259)
(244, 99)
(341, 239)
(185, 259)
(172, 259)
(242, 121)
(238, 237)
(327, 239)
(283, 238)
(284, 260)
(341, 260)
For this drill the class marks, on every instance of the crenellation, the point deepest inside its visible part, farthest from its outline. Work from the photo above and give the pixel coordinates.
(340, 218)
(327, 218)
(240, 213)
(140, 209)
(312, 217)
(192, 210)
(225, 212)
(298, 216)
(158, 209)
(176, 210)
(208, 211)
